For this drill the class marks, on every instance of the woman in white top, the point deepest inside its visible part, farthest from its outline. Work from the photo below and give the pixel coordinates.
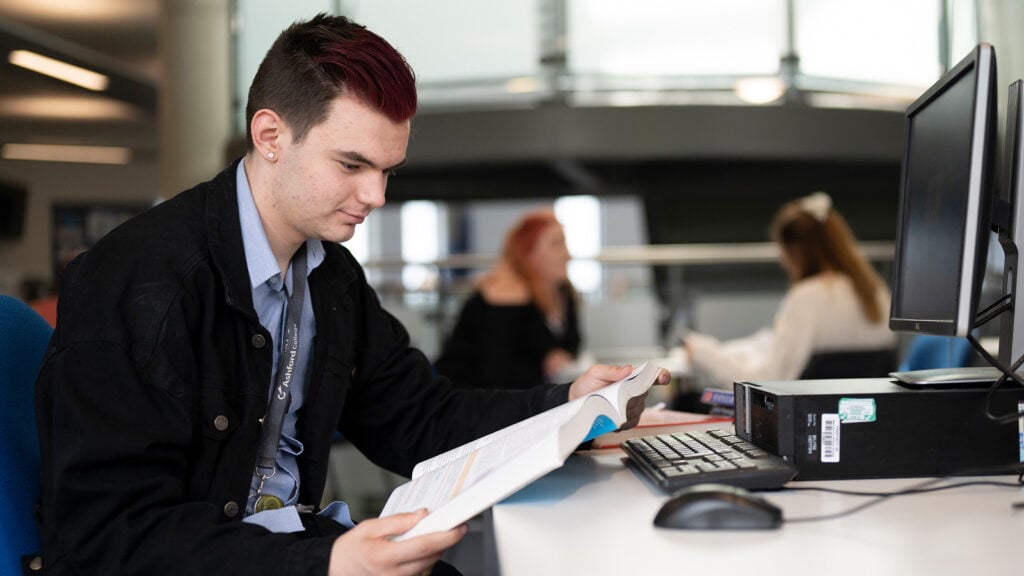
(836, 302)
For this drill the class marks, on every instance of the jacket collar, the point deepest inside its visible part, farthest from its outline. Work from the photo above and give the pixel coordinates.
(224, 229)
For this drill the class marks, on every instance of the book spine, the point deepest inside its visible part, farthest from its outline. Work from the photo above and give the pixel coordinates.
(717, 397)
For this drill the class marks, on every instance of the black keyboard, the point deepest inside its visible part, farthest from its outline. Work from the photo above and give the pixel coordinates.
(676, 460)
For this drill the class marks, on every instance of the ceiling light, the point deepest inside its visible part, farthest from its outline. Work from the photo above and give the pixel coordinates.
(82, 106)
(760, 90)
(66, 153)
(522, 85)
(60, 70)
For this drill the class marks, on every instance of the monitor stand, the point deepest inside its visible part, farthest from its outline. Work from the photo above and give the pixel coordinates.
(967, 377)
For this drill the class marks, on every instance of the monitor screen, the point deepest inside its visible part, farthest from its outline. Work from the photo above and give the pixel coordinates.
(945, 199)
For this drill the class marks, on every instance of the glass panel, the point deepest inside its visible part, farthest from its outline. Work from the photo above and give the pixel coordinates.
(448, 40)
(467, 52)
(581, 219)
(421, 242)
(870, 40)
(963, 29)
(359, 243)
(257, 24)
(675, 37)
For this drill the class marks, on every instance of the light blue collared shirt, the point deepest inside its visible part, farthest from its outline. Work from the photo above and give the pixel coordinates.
(270, 298)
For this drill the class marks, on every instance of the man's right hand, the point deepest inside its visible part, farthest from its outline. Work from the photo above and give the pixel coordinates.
(365, 550)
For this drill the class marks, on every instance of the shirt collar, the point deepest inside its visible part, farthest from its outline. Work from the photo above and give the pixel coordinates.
(258, 255)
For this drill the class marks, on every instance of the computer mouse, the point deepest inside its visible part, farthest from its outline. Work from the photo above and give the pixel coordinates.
(717, 507)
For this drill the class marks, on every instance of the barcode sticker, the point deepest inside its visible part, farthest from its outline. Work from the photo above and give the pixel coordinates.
(830, 438)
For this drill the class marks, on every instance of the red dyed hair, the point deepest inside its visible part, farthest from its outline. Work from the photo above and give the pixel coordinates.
(519, 243)
(313, 62)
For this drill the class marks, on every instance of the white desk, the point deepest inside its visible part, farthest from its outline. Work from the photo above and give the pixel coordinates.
(593, 517)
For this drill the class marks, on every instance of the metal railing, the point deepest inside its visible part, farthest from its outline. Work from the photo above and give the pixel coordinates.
(429, 311)
(654, 255)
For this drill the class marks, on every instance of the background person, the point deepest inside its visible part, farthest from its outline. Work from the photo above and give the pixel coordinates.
(836, 302)
(522, 315)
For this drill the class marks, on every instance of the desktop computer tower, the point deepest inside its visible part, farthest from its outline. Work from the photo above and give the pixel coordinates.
(875, 428)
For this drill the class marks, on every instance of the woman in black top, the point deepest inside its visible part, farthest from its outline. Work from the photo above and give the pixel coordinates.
(520, 327)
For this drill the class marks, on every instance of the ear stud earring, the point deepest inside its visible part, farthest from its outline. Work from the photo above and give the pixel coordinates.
(271, 156)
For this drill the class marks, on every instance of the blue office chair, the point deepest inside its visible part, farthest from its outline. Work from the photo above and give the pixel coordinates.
(927, 351)
(23, 339)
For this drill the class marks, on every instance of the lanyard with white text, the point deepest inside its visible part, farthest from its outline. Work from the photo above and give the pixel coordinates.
(280, 396)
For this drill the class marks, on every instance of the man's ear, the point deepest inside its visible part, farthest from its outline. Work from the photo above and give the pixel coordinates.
(268, 133)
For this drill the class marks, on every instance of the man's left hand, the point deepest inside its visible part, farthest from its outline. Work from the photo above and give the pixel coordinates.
(600, 375)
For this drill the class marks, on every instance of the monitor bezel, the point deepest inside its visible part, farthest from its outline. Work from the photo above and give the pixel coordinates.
(974, 243)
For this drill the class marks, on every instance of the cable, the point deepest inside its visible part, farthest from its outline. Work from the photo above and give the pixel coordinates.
(1002, 304)
(919, 488)
(1007, 374)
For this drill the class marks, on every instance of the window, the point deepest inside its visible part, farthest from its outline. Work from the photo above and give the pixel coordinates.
(869, 40)
(359, 243)
(468, 53)
(581, 219)
(422, 243)
(673, 37)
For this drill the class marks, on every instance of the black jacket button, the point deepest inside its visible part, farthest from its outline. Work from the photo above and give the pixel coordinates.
(231, 509)
(258, 341)
(221, 423)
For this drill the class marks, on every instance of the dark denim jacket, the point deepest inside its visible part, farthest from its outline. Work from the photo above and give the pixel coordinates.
(149, 399)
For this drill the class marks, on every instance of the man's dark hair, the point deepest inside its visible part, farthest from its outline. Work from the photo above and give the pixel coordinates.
(313, 62)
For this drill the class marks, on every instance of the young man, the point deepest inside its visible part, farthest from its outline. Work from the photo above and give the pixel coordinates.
(208, 350)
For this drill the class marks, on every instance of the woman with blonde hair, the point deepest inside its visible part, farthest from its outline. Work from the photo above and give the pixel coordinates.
(519, 328)
(836, 302)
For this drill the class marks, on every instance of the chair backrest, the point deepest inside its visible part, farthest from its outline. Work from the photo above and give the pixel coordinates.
(850, 364)
(23, 339)
(926, 352)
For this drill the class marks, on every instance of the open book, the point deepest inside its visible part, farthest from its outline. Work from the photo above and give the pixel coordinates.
(459, 484)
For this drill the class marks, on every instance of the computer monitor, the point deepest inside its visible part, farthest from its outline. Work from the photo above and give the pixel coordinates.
(945, 198)
(1009, 222)
(946, 195)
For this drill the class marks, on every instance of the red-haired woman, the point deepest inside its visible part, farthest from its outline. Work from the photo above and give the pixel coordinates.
(519, 328)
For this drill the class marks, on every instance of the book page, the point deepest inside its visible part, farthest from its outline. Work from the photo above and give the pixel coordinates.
(461, 490)
(532, 447)
(441, 478)
(617, 395)
(537, 424)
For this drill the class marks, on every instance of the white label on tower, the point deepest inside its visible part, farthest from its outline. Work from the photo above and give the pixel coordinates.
(830, 438)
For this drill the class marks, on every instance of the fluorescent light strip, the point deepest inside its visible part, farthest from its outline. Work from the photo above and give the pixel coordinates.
(66, 153)
(59, 70)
